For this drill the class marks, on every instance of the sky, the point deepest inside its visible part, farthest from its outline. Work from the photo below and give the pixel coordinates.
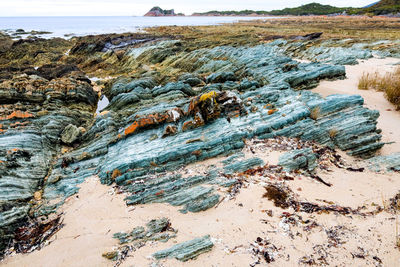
(140, 7)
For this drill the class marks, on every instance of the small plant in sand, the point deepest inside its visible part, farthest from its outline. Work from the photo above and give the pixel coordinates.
(367, 81)
(315, 113)
(333, 132)
(388, 83)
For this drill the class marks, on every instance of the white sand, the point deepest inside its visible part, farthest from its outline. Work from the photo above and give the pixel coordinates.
(389, 121)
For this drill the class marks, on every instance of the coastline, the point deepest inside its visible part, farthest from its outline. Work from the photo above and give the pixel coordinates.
(263, 90)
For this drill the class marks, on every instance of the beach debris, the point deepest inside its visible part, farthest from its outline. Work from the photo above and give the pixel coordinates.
(394, 203)
(263, 250)
(34, 235)
(283, 197)
(278, 195)
(187, 250)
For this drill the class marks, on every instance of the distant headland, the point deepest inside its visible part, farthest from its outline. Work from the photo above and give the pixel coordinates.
(383, 7)
(159, 12)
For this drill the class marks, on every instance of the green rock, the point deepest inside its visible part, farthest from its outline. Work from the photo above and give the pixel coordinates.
(187, 250)
(70, 134)
(299, 159)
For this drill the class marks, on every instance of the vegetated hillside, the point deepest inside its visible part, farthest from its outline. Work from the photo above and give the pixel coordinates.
(384, 7)
(374, 3)
(232, 13)
(310, 9)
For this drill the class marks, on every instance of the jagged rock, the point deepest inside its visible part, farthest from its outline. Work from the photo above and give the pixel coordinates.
(157, 230)
(310, 36)
(385, 163)
(335, 52)
(33, 114)
(299, 159)
(248, 85)
(70, 134)
(221, 77)
(178, 86)
(53, 71)
(187, 250)
(159, 12)
(243, 165)
(124, 146)
(191, 79)
(171, 189)
(217, 124)
(123, 100)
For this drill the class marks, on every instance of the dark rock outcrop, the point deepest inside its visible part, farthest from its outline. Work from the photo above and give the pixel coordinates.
(159, 12)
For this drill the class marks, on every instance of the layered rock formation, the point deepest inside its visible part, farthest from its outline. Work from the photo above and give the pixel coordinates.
(173, 106)
(244, 95)
(34, 112)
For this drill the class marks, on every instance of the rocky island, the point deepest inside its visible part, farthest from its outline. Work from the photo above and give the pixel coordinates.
(241, 145)
(159, 12)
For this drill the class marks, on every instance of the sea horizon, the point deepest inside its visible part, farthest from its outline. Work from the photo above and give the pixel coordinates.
(69, 26)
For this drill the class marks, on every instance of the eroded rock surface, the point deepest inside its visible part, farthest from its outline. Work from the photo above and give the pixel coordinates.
(172, 107)
(33, 114)
(187, 250)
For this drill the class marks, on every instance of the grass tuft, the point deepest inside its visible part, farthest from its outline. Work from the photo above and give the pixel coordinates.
(315, 113)
(388, 83)
(333, 133)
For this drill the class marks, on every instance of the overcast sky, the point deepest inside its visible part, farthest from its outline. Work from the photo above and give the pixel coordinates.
(139, 7)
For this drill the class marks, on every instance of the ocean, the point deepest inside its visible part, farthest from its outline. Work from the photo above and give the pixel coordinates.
(80, 26)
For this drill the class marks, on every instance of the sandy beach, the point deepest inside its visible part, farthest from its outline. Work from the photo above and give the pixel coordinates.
(96, 212)
(389, 118)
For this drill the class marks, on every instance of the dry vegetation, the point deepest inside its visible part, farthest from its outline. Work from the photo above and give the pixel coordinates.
(388, 83)
(315, 113)
(254, 32)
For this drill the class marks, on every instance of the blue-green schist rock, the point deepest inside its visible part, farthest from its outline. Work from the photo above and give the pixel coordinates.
(36, 117)
(175, 190)
(213, 98)
(128, 143)
(343, 52)
(385, 163)
(187, 250)
(299, 159)
(243, 165)
(157, 230)
(70, 134)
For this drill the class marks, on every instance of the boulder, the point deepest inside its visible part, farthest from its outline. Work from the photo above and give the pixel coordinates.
(70, 134)
(221, 77)
(299, 159)
(187, 250)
